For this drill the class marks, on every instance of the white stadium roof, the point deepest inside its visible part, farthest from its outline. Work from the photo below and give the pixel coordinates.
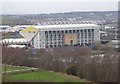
(66, 26)
(16, 46)
(2, 26)
(18, 40)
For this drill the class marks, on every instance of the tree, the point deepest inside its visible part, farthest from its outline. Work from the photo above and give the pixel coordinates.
(97, 45)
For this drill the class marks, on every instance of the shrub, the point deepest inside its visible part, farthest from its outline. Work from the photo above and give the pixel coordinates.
(66, 45)
(71, 70)
(76, 44)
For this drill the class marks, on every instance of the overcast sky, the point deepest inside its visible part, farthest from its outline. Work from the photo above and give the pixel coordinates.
(55, 7)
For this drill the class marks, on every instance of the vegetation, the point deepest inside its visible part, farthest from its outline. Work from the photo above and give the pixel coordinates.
(44, 76)
(14, 20)
(97, 45)
(34, 18)
(71, 70)
(99, 65)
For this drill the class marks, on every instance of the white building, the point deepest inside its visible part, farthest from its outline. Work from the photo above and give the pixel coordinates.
(16, 46)
(51, 36)
(12, 41)
(5, 28)
(115, 43)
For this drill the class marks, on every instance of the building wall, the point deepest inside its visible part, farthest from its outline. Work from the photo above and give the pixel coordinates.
(29, 33)
(54, 37)
(71, 37)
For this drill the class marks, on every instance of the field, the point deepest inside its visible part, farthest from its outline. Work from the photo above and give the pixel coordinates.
(44, 76)
(39, 76)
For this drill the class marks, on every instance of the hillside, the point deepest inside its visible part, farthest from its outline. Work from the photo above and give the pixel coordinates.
(42, 76)
(35, 75)
(29, 19)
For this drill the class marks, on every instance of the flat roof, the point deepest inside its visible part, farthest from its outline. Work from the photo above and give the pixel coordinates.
(1, 26)
(14, 40)
(66, 26)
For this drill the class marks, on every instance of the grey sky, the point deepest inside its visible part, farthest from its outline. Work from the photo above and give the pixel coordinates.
(56, 7)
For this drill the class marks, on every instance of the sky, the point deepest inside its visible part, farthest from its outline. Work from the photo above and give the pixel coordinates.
(39, 7)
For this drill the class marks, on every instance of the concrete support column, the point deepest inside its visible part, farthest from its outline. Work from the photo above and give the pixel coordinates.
(87, 37)
(83, 37)
(38, 36)
(80, 37)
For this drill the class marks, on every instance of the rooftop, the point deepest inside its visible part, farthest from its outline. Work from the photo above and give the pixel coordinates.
(66, 26)
(16, 40)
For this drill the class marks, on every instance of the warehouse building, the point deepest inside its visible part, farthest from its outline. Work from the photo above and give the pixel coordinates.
(50, 36)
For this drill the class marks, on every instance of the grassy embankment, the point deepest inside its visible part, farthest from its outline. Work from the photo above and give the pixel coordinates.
(40, 76)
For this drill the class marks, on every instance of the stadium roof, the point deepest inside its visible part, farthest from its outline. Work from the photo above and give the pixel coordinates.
(66, 26)
(16, 41)
(17, 46)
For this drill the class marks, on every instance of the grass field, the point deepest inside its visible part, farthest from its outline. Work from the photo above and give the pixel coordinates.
(39, 76)
(43, 76)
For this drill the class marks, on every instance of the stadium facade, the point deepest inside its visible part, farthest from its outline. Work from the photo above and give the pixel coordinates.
(50, 36)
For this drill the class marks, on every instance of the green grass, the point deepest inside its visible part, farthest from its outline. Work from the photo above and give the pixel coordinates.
(39, 76)
(44, 76)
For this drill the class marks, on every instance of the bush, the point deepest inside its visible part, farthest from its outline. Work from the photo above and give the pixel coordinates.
(71, 70)
(66, 45)
(76, 44)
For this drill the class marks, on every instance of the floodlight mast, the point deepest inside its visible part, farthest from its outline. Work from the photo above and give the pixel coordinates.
(101, 24)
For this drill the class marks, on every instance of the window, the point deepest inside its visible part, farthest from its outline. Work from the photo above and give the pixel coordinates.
(70, 31)
(88, 30)
(92, 30)
(54, 32)
(50, 32)
(89, 40)
(54, 45)
(73, 31)
(51, 46)
(85, 30)
(71, 42)
(66, 31)
(58, 32)
(45, 32)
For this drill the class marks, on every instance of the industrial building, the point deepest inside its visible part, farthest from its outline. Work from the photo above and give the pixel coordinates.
(50, 36)
(5, 28)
